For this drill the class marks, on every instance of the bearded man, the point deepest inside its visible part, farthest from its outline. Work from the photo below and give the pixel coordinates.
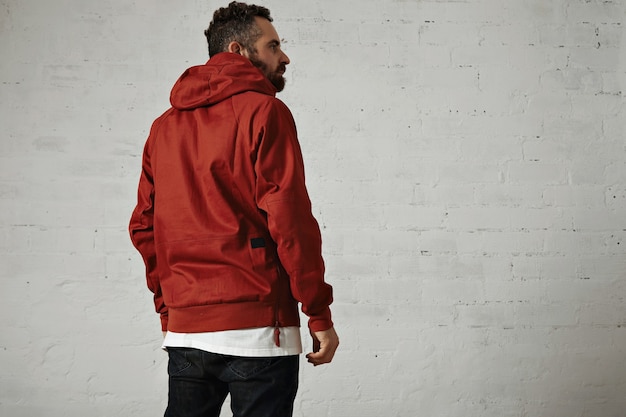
(224, 225)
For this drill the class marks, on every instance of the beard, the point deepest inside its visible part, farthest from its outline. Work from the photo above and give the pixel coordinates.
(275, 77)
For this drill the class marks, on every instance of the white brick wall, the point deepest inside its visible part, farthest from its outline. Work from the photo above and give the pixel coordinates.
(466, 160)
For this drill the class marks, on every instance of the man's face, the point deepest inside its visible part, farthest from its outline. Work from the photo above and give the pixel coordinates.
(268, 57)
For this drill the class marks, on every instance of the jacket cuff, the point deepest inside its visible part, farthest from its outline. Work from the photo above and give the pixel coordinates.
(321, 322)
(164, 318)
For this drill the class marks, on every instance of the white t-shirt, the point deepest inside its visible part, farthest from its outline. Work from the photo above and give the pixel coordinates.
(258, 342)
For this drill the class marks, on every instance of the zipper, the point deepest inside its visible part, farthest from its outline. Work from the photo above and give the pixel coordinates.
(276, 308)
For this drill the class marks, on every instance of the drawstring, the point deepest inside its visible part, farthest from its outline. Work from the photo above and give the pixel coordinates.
(277, 335)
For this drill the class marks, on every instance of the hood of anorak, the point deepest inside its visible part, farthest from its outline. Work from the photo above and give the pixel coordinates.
(223, 76)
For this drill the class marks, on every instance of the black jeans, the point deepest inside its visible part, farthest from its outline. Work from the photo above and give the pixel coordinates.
(199, 382)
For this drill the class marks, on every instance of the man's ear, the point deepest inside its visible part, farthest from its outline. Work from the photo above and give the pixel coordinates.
(235, 47)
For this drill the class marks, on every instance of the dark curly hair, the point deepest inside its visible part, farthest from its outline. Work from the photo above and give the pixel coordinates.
(235, 23)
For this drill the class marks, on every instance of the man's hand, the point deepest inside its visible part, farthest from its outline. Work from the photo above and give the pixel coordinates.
(325, 344)
(164, 333)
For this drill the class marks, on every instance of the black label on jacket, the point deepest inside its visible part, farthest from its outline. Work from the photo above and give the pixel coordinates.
(257, 242)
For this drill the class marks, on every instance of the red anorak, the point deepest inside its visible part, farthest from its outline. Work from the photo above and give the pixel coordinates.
(223, 219)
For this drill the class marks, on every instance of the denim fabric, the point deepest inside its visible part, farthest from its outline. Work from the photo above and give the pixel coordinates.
(199, 382)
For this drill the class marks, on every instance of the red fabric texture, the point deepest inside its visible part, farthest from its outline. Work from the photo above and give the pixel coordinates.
(223, 219)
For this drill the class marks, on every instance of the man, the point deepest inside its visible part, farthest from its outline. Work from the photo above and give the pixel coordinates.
(224, 225)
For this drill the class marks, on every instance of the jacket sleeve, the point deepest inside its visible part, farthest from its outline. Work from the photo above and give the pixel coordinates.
(281, 193)
(141, 229)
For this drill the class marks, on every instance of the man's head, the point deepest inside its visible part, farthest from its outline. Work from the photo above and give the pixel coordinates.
(247, 30)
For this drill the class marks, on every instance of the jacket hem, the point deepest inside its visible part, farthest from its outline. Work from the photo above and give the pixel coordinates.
(219, 317)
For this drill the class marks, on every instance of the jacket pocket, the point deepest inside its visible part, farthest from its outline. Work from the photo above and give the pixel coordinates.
(262, 254)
